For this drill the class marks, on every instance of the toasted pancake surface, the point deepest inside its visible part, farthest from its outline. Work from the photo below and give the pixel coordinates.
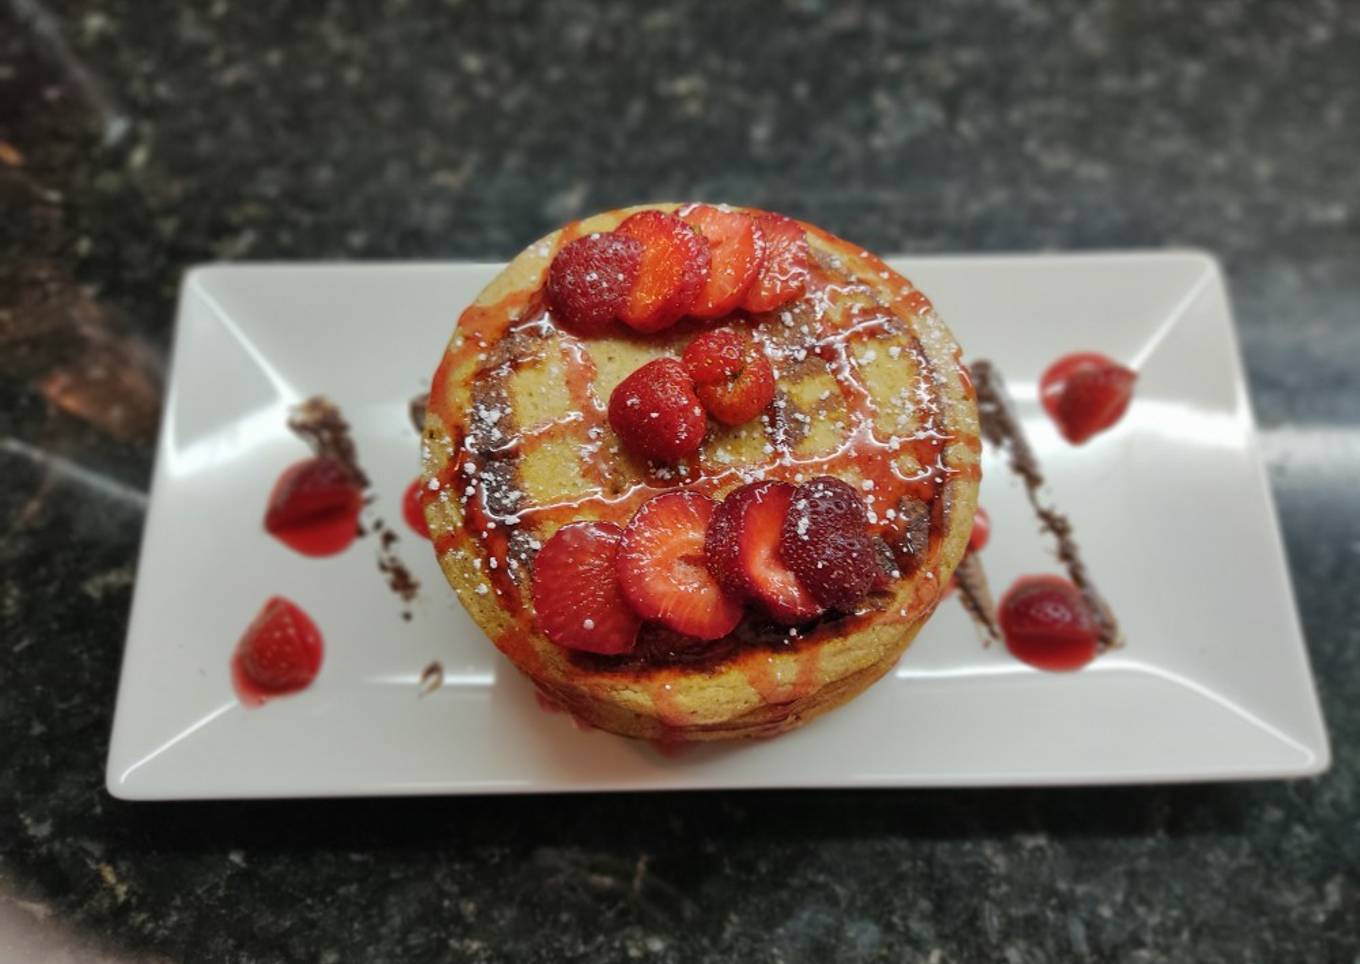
(516, 444)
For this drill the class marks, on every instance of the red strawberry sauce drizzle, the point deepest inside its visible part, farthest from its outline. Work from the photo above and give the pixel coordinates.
(486, 534)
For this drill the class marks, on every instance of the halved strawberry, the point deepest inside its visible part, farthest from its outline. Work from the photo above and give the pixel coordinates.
(825, 542)
(784, 274)
(742, 551)
(661, 567)
(656, 413)
(732, 376)
(314, 506)
(1047, 623)
(577, 600)
(1085, 393)
(674, 270)
(281, 650)
(590, 279)
(736, 248)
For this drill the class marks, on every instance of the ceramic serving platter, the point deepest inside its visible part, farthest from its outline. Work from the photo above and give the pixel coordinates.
(1171, 508)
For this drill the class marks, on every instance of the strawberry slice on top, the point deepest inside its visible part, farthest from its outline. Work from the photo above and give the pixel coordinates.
(732, 376)
(784, 274)
(590, 278)
(673, 271)
(662, 569)
(736, 247)
(578, 603)
(741, 548)
(826, 543)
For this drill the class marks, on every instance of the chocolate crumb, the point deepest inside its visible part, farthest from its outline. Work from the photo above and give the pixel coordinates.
(431, 677)
(318, 422)
(399, 578)
(1002, 429)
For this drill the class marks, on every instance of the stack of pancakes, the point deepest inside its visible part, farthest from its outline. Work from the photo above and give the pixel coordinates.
(517, 443)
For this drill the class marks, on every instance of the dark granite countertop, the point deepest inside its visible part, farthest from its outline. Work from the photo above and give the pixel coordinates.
(138, 138)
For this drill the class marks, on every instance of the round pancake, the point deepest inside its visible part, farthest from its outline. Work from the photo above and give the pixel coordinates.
(869, 389)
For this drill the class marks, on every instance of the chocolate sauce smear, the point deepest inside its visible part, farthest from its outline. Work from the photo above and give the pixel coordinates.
(975, 595)
(1001, 428)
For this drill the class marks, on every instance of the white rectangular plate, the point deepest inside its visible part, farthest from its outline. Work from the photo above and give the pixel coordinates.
(1171, 507)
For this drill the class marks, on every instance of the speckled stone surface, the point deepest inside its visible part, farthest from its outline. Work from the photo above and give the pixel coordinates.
(138, 138)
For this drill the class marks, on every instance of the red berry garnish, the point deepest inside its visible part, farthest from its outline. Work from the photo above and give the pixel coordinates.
(732, 376)
(413, 508)
(578, 603)
(742, 550)
(314, 507)
(716, 356)
(736, 248)
(590, 279)
(674, 270)
(784, 274)
(1047, 623)
(825, 542)
(662, 570)
(281, 650)
(982, 530)
(656, 413)
(1085, 393)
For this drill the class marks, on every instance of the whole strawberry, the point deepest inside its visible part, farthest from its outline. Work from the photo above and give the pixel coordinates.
(732, 376)
(281, 650)
(656, 413)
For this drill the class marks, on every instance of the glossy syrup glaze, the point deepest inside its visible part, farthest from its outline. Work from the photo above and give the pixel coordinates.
(909, 511)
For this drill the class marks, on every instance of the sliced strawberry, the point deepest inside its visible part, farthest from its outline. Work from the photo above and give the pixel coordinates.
(281, 650)
(736, 248)
(673, 272)
(656, 413)
(1047, 623)
(590, 279)
(732, 376)
(1085, 393)
(314, 507)
(784, 274)
(982, 530)
(661, 567)
(577, 600)
(825, 542)
(742, 551)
